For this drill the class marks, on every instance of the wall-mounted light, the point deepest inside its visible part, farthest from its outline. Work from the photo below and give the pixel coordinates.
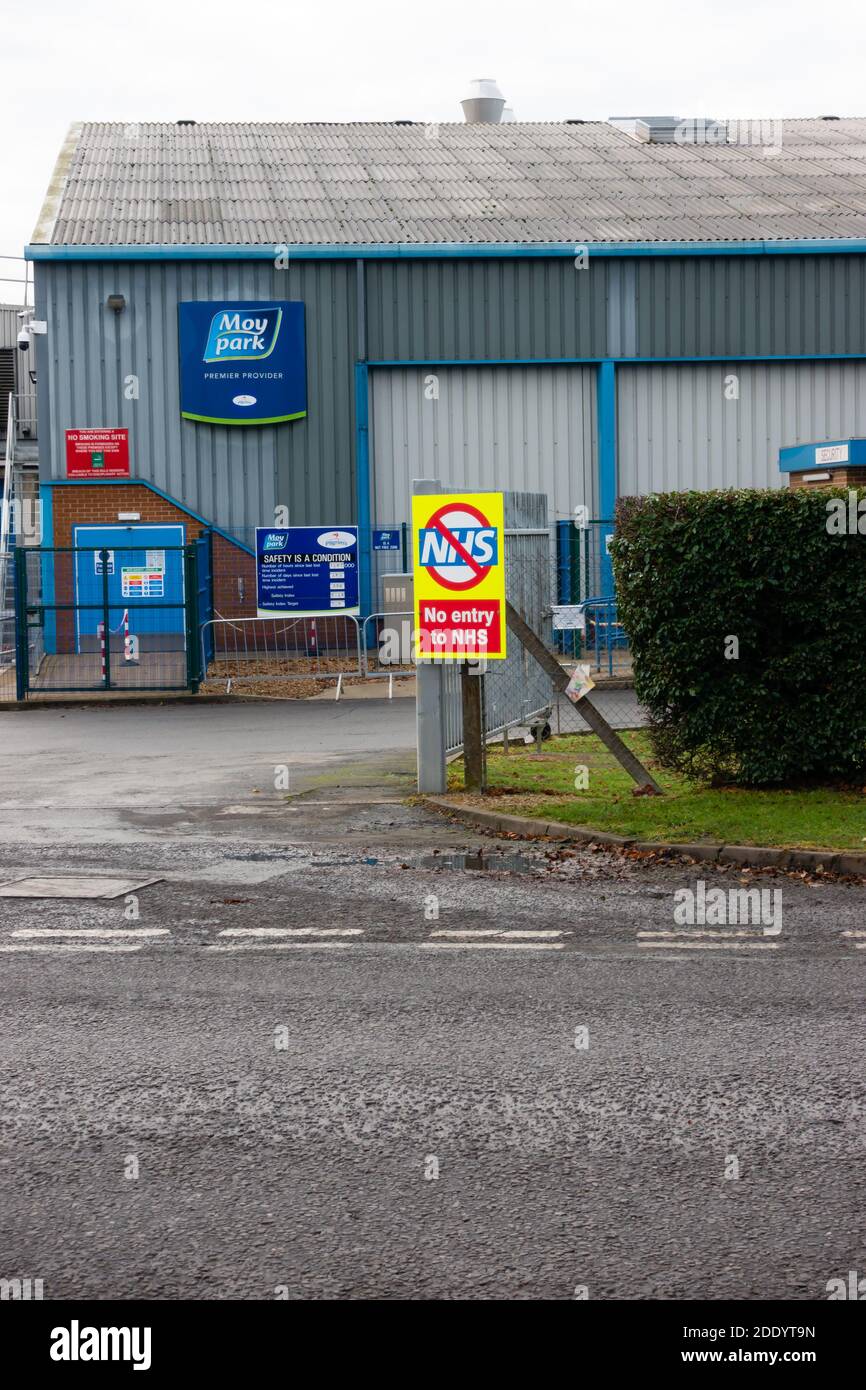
(117, 302)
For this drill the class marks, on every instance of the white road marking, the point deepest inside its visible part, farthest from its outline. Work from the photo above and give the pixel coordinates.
(91, 933)
(473, 933)
(854, 933)
(65, 948)
(251, 946)
(291, 931)
(688, 935)
(860, 945)
(492, 945)
(712, 945)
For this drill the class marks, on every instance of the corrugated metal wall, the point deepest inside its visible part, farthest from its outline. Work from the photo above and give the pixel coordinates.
(651, 307)
(530, 429)
(488, 309)
(8, 325)
(234, 477)
(750, 305)
(677, 430)
(512, 427)
(22, 364)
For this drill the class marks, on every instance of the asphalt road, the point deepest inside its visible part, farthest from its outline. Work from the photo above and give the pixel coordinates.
(304, 1079)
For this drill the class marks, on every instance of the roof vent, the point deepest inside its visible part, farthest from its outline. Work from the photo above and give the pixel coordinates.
(672, 130)
(484, 102)
(829, 118)
(187, 122)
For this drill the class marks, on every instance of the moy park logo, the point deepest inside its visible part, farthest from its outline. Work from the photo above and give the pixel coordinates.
(239, 336)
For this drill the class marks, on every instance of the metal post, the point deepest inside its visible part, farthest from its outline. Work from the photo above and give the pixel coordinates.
(429, 705)
(194, 672)
(106, 660)
(404, 545)
(474, 779)
(22, 651)
(362, 480)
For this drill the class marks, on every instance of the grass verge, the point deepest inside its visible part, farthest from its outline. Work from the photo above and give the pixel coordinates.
(526, 783)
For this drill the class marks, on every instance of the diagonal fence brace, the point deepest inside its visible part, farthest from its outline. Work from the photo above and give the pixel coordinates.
(588, 711)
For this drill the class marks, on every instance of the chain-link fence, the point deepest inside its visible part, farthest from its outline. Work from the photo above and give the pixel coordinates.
(585, 621)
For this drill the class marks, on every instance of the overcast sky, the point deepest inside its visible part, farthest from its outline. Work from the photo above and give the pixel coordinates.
(157, 60)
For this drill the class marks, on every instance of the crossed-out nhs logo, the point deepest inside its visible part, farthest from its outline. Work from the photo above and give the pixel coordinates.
(274, 540)
(238, 336)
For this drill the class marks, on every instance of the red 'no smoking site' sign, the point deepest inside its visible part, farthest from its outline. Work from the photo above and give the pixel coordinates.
(459, 570)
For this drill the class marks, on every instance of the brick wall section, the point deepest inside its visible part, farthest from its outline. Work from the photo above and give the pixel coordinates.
(98, 506)
(839, 477)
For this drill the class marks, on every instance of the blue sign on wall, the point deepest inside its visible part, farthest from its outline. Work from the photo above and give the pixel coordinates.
(307, 570)
(386, 540)
(242, 362)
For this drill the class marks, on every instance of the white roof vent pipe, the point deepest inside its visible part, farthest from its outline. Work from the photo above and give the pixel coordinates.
(484, 102)
(508, 116)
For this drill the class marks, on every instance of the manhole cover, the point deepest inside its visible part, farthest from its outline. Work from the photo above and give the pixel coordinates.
(73, 886)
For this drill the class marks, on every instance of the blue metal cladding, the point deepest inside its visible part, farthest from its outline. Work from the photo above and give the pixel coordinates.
(130, 551)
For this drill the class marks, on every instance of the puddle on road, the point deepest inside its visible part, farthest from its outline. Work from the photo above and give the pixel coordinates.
(483, 863)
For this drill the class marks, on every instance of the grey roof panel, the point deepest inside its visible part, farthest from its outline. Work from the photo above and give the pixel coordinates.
(382, 183)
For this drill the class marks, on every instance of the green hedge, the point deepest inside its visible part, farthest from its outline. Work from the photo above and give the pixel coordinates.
(693, 569)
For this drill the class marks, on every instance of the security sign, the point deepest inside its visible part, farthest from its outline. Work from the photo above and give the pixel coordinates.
(459, 570)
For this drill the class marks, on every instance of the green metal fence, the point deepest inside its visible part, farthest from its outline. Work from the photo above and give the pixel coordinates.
(94, 618)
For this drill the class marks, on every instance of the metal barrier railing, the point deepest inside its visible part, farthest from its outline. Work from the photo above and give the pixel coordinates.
(280, 649)
(388, 646)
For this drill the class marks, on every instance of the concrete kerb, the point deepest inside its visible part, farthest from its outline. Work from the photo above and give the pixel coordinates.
(746, 856)
(97, 701)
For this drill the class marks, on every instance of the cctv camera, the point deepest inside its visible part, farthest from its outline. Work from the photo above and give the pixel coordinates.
(23, 340)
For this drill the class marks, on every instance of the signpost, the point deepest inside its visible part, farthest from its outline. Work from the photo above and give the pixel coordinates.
(97, 453)
(458, 558)
(306, 571)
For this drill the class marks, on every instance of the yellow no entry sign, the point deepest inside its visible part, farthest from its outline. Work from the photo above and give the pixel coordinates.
(458, 552)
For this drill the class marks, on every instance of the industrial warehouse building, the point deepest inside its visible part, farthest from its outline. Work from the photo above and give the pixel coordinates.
(584, 309)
